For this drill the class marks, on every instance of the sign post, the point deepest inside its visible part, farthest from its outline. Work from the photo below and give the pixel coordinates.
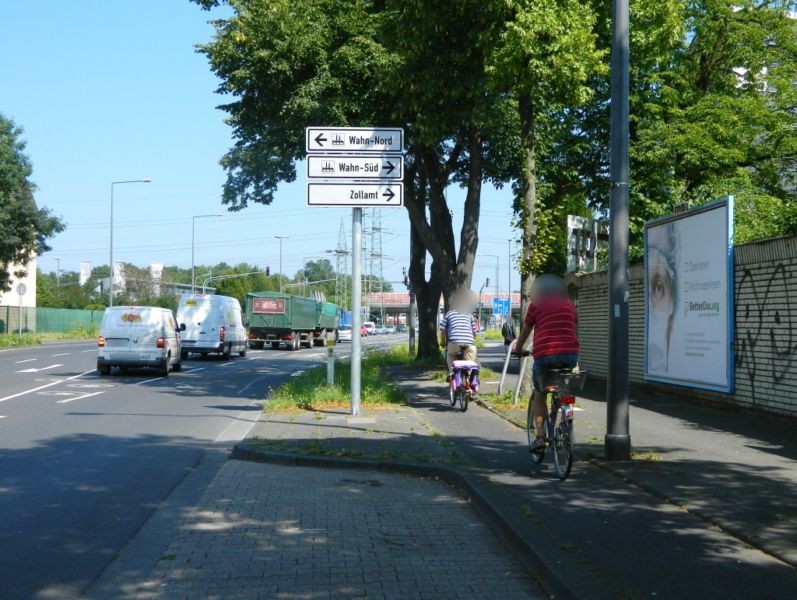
(357, 167)
(21, 289)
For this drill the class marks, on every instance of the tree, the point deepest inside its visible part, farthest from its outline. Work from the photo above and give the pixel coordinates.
(25, 227)
(417, 64)
(544, 56)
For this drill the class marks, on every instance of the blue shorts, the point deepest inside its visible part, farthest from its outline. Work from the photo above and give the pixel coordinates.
(543, 363)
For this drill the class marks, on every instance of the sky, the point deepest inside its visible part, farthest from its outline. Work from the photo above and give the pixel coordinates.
(115, 90)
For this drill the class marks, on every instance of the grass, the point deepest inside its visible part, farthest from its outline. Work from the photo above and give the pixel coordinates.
(440, 375)
(309, 390)
(493, 335)
(14, 340)
(505, 401)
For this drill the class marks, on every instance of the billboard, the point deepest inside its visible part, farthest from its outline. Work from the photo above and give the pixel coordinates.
(689, 297)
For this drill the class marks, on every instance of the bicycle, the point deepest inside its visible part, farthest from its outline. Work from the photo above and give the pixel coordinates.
(558, 429)
(464, 382)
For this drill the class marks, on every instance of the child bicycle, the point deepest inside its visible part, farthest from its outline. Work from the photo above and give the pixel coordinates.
(464, 382)
(558, 430)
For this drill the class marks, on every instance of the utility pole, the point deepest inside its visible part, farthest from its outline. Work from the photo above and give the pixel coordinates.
(617, 443)
(280, 238)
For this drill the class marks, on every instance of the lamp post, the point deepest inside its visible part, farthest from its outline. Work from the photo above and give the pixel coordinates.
(280, 238)
(57, 260)
(113, 183)
(193, 227)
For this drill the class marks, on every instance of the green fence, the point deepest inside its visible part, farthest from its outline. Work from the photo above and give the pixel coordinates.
(46, 320)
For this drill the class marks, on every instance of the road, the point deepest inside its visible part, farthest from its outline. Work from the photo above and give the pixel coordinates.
(85, 460)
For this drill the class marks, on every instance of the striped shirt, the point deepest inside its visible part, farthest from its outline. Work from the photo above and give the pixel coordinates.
(554, 321)
(459, 328)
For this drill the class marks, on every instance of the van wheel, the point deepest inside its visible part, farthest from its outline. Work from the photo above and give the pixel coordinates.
(165, 368)
(104, 370)
(178, 366)
(242, 353)
(183, 355)
(226, 354)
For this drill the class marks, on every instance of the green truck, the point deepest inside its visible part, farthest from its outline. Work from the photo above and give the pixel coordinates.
(277, 318)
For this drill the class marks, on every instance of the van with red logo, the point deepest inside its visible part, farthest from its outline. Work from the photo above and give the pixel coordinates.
(136, 337)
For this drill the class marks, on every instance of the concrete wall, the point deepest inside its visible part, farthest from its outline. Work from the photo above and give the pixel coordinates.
(765, 331)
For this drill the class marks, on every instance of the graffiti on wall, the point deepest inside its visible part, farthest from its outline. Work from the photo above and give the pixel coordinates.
(766, 326)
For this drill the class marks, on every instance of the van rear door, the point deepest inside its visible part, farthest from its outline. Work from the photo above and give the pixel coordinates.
(115, 328)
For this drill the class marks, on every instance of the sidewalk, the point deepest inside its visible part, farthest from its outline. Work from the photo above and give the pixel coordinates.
(706, 510)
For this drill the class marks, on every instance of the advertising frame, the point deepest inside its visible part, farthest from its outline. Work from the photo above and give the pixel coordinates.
(725, 204)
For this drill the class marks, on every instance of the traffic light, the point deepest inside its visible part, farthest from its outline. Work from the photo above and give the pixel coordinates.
(268, 270)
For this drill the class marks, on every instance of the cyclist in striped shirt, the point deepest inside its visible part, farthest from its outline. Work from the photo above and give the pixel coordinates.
(553, 318)
(457, 329)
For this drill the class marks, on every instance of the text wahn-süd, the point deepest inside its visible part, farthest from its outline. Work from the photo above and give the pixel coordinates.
(354, 168)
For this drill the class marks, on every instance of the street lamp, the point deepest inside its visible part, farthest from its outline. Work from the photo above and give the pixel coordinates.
(193, 227)
(113, 183)
(497, 280)
(280, 238)
(57, 260)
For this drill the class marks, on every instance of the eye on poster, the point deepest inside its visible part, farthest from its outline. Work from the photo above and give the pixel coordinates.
(689, 297)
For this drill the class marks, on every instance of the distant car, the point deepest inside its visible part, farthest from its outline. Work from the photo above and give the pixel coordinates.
(380, 330)
(401, 329)
(390, 329)
(363, 331)
(344, 333)
(370, 327)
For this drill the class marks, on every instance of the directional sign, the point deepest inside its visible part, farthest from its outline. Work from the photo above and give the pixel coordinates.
(383, 166)
(355, 194)
(500, 306)
(354, 139)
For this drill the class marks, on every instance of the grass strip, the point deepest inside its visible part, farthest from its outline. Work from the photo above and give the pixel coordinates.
(15, 340)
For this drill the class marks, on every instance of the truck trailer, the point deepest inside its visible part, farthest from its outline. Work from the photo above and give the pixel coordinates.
(277, 318)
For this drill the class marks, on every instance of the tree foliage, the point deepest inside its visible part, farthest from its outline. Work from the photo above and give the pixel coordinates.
(25, 228)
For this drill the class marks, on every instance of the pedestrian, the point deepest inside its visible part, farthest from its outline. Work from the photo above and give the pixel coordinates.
(508, 331)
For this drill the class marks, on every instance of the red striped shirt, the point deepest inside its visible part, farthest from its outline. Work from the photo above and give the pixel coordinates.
(554, 320)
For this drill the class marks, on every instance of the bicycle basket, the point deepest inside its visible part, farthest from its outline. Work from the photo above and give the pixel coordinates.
(569, 382)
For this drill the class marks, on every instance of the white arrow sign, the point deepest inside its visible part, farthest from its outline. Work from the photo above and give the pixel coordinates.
(386, 166)
(354, 139)
(355, 194)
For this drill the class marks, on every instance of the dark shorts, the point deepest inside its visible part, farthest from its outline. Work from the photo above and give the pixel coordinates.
(543, 363)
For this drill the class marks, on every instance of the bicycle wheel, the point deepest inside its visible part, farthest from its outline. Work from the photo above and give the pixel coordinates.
(464, 396)
(531, 435)
(563, 444)
(452, 395)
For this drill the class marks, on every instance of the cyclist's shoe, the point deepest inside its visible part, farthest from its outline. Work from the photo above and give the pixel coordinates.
(538, 445)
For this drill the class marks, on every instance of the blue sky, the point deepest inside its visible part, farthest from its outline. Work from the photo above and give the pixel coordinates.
(114, 90)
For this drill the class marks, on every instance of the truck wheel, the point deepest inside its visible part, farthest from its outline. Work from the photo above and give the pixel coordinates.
(183, 355)
(296, 342)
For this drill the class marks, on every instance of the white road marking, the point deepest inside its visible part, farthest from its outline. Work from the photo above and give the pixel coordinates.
(251, 383)
(226, 364)
(42, 369)
(19, 362)
(77, 398)
(193, 370)
(91, 350)
(2, 416)
(150, 380)
(62, 354)
(41, 387)
(296, 373)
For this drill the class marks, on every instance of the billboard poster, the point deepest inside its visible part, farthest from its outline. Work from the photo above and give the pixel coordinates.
(689, 297)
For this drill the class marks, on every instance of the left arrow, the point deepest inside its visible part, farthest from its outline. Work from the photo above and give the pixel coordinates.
(388, 193)
(320, 139)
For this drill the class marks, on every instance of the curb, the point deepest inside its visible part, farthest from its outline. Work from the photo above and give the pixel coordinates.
(505, 520)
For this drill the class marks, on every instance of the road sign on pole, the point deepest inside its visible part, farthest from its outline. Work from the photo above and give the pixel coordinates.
(376, 166)
(374, 195)
(354, 139)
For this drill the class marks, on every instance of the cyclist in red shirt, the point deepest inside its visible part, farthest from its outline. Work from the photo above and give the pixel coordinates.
(553, 318)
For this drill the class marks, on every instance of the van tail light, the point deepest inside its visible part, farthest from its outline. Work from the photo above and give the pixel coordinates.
(567, 399)
(101, 342)
(221, 333)
(160, 343)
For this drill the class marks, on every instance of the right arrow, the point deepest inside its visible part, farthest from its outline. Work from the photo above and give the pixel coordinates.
(389, 167)
(389, 194)
(319, 139)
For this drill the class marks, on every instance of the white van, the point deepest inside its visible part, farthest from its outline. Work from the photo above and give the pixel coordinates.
(370, 327)
(138, 336)
(212, 324)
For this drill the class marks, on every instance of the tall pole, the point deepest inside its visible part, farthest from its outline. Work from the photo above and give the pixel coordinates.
(280, 238)
(113, 183)
(57, 260)
(356, 306)
(617, 443)
(193, 227)
(509, 276)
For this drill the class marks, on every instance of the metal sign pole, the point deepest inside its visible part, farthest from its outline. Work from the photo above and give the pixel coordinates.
(356, 306)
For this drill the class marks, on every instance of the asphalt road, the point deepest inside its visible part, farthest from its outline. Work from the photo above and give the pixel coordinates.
(85, 460)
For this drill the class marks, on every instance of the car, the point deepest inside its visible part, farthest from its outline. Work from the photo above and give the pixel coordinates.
(344, 333)
(401, 329)
(380, 330)
(363, 331)
(390, 329)
(370, 327)
(139, 336)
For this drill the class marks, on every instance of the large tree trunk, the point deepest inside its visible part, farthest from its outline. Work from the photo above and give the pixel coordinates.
(528, 204)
